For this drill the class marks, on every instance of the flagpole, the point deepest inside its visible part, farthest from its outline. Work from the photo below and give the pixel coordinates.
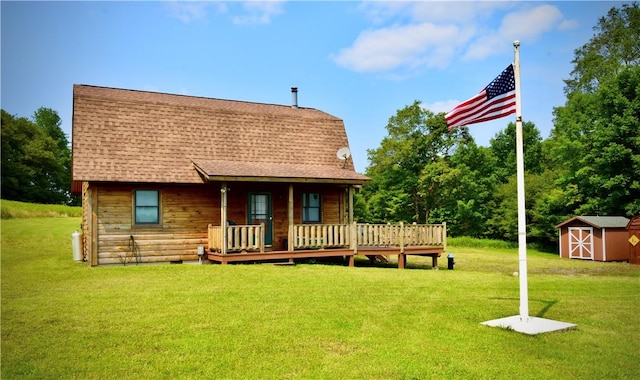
(522, 223)
(524, 323)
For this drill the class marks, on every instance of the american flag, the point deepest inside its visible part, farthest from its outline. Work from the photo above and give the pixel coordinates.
(496, 100)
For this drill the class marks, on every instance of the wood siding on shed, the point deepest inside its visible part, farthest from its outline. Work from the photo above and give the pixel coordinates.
(609, 244)
(616, 244)
(633, 229)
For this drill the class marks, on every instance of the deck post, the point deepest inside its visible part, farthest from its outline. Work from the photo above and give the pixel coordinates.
(444, 236)
(261, 237)
(290, 242)
(350, 204)
(223, 218)
(401, 233)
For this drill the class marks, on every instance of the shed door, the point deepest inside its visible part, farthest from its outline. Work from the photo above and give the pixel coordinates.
(581, 243)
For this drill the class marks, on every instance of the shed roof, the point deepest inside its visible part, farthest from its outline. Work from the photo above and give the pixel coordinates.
(599, 221)
(139, 136)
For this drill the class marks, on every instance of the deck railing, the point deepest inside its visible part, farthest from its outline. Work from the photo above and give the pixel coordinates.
(238, 238)
(320, 236)
(401, 235)
(312, 236)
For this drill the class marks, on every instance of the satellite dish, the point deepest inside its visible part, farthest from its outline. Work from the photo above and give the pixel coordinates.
(343, 153)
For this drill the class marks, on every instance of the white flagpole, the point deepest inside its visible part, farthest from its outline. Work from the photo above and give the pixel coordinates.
(524, 323)
(522, 223)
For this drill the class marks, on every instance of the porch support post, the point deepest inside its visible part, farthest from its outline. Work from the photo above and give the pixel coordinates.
(352, 225)
(350, 204)
(223, 218)
(290, 219)
(93, 225)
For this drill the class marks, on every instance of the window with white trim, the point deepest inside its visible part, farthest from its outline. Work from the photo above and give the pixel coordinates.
(311, 208)
(146, 207)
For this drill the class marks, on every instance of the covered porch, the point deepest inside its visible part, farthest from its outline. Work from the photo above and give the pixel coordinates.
(336, 236)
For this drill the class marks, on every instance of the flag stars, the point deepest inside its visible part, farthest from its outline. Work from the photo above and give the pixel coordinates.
(505, 82)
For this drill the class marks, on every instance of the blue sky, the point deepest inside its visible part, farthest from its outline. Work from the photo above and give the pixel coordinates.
(359, 61)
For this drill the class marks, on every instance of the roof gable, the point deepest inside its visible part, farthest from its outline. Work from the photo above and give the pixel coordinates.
(137, 136)
(598, 221)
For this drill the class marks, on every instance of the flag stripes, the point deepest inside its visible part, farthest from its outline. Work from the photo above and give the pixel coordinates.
(483, 107)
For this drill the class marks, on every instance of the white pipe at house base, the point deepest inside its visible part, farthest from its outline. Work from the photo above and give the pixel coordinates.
(76, 245)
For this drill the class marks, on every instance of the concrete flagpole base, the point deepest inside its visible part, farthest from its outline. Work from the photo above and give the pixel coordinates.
(530, 325)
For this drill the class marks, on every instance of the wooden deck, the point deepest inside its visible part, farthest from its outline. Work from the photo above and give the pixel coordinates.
(246, 243)
(347, 253)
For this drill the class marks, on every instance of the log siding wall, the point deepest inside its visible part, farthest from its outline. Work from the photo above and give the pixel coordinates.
(186, 211)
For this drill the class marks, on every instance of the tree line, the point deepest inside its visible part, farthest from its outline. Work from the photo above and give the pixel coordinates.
(590, 164)
(36, 159)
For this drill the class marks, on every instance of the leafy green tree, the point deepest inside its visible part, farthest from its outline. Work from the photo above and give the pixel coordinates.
(503, 147)
(35, 165)
(614, 46)
(596, 139)
(49, 121)
(416, 137)
(472, 202)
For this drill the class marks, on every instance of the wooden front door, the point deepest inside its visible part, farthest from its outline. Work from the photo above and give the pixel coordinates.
(581, 243)
(260, 212)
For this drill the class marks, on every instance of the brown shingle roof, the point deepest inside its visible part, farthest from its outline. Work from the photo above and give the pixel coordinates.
(138, 136)
(222, 170)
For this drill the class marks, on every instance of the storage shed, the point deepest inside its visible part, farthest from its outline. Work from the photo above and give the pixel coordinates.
(633, 228)
(597, 238)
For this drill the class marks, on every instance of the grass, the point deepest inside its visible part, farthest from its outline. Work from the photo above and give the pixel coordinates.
(466, 241)
(62, 319)
(15, 209)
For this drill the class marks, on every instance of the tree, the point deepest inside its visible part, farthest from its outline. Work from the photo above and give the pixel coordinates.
(472, 201)
(49, 121)
(503, 147)
(595, 137)
(35, 166)
(615, 45)
(416, 138)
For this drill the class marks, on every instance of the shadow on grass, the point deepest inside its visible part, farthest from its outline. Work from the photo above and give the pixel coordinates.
(547, 304)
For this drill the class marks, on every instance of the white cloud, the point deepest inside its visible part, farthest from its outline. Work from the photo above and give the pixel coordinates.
(382, 11)
(441, 106)
(456, 12)
(187, 11)
(530, 24)
(407, 46)
(252, 12)
(568, 24)
(258, 12)
(524, 25)
(433, 34)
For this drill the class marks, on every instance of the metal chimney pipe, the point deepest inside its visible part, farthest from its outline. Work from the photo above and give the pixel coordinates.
(294, 95)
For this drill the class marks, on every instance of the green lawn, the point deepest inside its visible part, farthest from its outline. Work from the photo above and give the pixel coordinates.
(62, 319)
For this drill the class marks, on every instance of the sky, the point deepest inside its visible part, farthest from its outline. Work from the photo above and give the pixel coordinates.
(359, 61)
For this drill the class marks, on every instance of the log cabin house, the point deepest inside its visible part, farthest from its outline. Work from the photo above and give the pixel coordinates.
(172, 178)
